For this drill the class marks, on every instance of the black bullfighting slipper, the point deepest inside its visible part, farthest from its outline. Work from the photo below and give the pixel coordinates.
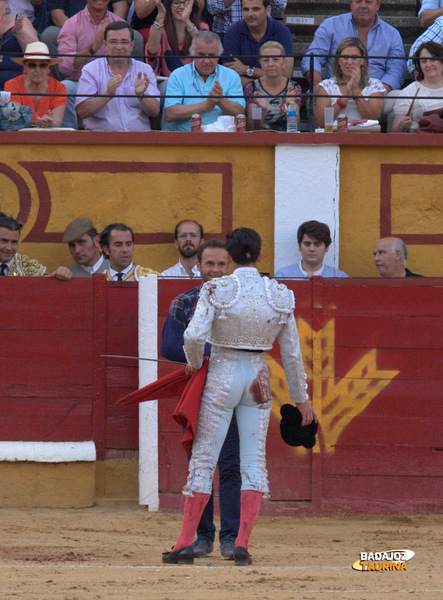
(242, 557)
(182, 556)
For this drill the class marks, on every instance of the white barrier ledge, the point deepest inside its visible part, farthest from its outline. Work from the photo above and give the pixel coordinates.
(51, 452)
(148, 412)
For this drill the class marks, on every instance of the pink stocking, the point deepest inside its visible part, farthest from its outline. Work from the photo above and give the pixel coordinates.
(194, 508)
(250, 507)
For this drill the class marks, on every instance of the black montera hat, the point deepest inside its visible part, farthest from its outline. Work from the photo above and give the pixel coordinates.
(291, 429)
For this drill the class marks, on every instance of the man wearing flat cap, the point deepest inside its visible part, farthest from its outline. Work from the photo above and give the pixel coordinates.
(83, 241)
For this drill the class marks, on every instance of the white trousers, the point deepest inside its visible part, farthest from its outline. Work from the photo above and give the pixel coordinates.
(237, 380)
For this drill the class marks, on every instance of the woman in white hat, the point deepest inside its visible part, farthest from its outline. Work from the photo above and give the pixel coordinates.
(15, 32)
(48, 109)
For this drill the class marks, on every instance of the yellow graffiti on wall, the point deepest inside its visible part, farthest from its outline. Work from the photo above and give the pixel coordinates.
(341, 399)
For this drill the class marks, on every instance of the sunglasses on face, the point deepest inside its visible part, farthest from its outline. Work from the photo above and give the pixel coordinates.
(33, 66)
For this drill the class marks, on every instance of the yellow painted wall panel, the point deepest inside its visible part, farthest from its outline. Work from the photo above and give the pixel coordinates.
(178, 182)
(415, 198)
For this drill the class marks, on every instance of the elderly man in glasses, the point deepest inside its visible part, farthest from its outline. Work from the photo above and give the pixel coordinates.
(188, 237)
(117, 92)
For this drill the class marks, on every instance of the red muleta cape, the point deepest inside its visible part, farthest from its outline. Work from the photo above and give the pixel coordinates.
(188, 387)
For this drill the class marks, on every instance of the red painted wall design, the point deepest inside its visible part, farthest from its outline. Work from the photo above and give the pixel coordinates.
(373, 352)
(39, 170)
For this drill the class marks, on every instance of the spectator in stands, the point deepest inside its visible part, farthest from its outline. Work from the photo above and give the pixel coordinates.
(314, 239)
(429, 11)
(433, 34)
(83, 241)
(145, 11)
(409, 109)
(62, 10)
(381, 40)
(390, 256)
(16, 33)
(25, 8)
(81, 38)
(213, 82)
(117, 75)
(117, 241)
(177, 23)
(188, 237)
(243, 40)
(228, 12)
(273, 91)
(48, 110)
(350, 78)
(14, 264)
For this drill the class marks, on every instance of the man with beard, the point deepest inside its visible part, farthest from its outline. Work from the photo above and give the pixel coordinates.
(188, 237)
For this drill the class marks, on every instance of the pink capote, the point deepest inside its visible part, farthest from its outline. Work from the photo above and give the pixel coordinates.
(188, 387)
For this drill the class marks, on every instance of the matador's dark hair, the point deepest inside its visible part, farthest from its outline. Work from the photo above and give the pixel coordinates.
(243, 245)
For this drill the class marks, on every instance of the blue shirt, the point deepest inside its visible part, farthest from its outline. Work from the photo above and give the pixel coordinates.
(179, 316)
(383, 40)
(296, 272)
(430, 5)
(434, 33)
(186, 81)
(239, 42)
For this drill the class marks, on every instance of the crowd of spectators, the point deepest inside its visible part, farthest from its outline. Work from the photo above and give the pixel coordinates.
(117, 65)
(112, 253)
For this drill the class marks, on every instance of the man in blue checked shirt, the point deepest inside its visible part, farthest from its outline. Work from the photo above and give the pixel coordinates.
(434, 33)
(219, 88)
(429, 11)
(213, 262)
(228, 12)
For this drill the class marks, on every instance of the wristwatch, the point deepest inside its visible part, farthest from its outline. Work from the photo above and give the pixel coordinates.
(250, 72)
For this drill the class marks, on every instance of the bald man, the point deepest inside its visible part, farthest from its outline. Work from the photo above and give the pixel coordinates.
(390, 256)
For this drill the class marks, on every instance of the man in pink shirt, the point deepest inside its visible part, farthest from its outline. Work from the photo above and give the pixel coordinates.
(81, 38)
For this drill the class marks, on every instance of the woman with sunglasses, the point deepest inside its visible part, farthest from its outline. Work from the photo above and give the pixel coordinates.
(171, 35)
(417, 96)
(15, 32)
(273, 91)
(48, 109)
(350, 78)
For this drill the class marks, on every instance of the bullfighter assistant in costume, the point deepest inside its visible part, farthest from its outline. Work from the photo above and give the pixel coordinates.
(241, 315)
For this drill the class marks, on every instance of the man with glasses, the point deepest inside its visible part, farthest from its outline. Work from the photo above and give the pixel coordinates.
(81, 39)
(203, 86)
(111, 81)
(188, 237)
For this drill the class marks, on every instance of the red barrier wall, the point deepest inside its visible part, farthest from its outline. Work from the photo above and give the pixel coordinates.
(373, 351)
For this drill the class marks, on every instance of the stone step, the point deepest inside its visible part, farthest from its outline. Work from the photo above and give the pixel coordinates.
(335, 7)
(303, 27)
(300, 48)
(306, 25)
